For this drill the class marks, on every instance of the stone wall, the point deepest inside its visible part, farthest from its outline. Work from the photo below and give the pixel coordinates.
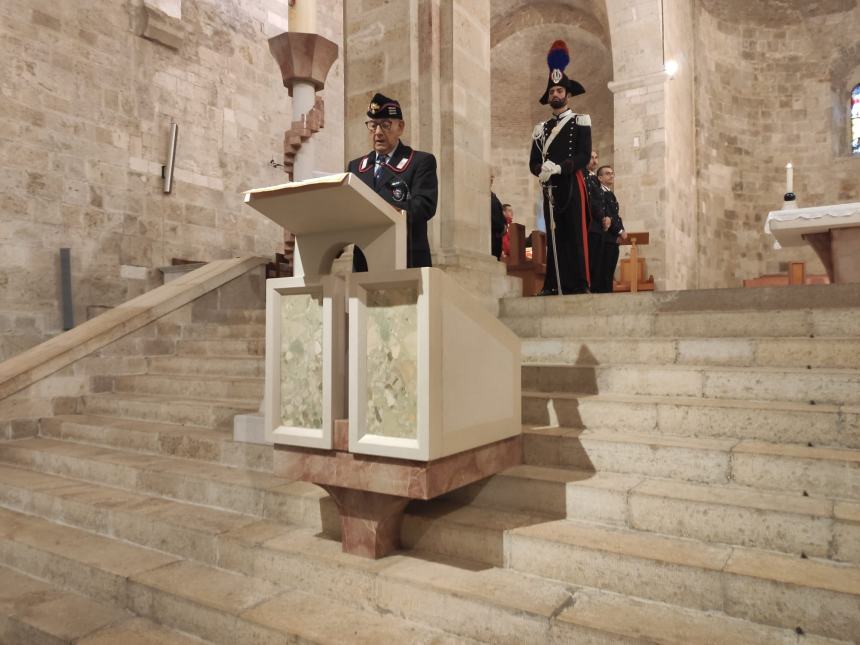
(772, 87)
(87, 103)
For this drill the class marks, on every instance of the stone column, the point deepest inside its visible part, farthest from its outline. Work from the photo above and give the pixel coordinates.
(461, 230)
(654, 133)
(434, 56)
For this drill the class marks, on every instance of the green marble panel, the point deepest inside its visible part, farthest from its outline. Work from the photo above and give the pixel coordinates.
(392, 362)
(301, 360)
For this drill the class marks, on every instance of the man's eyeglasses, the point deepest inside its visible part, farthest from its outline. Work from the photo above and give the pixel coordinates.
(372, 125)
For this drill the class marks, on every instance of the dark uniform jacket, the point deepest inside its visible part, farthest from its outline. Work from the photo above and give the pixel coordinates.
(570, 149)
(418, 171)
(497, 224)
(611, 210)
(595, 203)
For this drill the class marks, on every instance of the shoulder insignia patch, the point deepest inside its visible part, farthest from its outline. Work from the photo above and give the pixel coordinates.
(583, 119)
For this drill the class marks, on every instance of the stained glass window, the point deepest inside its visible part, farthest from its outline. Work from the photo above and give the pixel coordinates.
(855, 120)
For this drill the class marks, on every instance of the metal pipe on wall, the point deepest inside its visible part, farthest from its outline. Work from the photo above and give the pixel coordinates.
(167, 171)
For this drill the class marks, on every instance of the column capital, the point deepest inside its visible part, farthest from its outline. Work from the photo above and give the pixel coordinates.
(303, 57)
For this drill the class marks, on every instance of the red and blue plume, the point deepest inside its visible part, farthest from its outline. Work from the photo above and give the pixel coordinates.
(558, 56)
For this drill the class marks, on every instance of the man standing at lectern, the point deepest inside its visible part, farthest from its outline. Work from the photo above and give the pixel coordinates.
(403, 177)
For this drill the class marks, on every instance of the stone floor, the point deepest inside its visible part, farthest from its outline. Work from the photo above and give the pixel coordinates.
(692, 476)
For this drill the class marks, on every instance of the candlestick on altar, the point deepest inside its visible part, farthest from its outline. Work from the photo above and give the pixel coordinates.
(789, 199)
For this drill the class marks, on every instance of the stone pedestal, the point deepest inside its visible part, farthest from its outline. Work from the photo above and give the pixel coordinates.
(371, 493)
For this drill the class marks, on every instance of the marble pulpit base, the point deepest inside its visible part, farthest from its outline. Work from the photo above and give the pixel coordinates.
(371, 492)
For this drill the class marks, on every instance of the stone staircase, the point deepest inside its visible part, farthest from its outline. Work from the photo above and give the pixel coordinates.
(686, 482)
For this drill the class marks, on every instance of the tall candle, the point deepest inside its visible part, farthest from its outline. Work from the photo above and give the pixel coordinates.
(302, 16)
(789, 178)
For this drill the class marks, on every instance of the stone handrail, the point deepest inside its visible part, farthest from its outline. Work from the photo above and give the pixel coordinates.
(44, 359)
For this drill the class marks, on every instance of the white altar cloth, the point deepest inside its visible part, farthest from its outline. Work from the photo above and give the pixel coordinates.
(789, 226)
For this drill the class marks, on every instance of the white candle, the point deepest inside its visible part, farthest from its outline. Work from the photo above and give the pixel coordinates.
(789, 178)
(302, 16)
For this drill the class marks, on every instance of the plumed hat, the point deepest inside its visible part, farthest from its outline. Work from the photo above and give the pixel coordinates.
(382, 107)
(557, 59)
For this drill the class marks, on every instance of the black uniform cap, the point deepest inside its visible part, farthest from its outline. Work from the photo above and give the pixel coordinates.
(382, 107)
(557, 59)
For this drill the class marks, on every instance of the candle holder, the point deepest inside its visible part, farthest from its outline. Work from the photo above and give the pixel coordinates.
(790, 201)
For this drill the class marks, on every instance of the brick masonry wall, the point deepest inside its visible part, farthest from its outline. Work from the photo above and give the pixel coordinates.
(771, 88)
(87, 103)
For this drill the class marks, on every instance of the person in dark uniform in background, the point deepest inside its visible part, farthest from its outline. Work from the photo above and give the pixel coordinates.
(403, 177)
(613, 232)
(560, 151)
(598, 224)
(497, 222)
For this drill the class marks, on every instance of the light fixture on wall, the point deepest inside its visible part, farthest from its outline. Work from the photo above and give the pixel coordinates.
(671, 68)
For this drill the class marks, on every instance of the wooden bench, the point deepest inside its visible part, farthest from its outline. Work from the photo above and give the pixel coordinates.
(796, 275)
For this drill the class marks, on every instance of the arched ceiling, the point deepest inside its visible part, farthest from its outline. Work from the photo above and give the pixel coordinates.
(511, 16)
(774, 12)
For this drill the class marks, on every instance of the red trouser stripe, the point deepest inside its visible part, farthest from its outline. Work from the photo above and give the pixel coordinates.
(581, 181)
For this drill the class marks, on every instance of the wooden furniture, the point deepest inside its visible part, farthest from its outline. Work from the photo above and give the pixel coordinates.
(796, 275)
(532, 269)
(633, 269)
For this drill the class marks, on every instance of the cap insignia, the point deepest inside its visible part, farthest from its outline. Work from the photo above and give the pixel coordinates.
(555, 76)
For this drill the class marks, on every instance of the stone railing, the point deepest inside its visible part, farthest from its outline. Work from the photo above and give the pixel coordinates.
(47, 379)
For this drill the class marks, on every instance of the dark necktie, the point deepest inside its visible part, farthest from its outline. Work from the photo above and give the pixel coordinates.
(380, 160)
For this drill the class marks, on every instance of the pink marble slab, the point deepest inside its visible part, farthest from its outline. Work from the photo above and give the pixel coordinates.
(400, 477)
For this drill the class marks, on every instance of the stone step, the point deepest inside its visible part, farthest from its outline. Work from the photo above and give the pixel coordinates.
(529, 489)
(166, 439)
(253, 347)
(191, 386)
(446, 594)
(471, 532)
(242, 366)
(218, 605)
(775, 421)
(162, 409)
(244, 491)
(826, 472)
(221, 331)
(820, 297)
(785, 522)
(35, 612)
(441, 526)
(786, 591)
(751, 351)
(691, 324)
(836, 387)
(513, 607)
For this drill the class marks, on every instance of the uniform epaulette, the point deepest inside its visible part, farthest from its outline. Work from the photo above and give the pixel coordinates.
(583, 119)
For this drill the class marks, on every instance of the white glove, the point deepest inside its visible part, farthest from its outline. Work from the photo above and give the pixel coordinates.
(547, 170)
